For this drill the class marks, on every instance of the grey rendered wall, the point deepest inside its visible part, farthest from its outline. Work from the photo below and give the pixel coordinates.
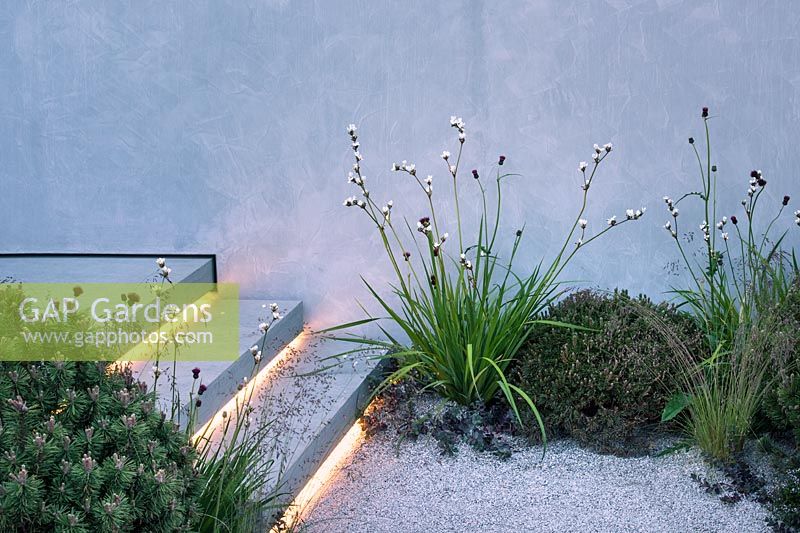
(218, 126)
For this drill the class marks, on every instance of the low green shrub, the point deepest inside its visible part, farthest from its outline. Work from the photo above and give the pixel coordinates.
(600, 386)
(84, 448)
(785, 504)
(782, 400)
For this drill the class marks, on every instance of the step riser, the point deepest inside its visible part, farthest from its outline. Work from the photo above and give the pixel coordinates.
(225, 386)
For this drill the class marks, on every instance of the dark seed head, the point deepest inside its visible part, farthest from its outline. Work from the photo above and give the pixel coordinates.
(786, 200)
(691, 140)
(201, 389)
(475, 173)
(519, 233)
(761, 182)
(501, 160)
(196, 372)
(754, 173)
(705, 112)
(713, 168)
(734, 220)
(198, 402)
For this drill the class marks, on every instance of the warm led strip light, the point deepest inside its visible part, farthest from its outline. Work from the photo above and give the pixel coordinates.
(241, 396)
(313, 489)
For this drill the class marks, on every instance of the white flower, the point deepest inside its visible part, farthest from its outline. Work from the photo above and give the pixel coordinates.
(720, 225)
(445, 236)
(411, 168)
(161, 262)
(358, 155)
(458, 123)
(612, 221)
(453, 170)
(385, 210)
(254, 349)
(607, 147)
(276, 315)
(356, 168)
(263, 327)
(445, 155)
(597, 149)
(273, 307)
(350, 201)
(675, 212)
(165, 272)
(362, 204)
(155, 371)
(724, 236)
(668, 225)
(582, 166)
(429, 179)
(463, 257)
(429, 190)
(578, 243)
(462, 136)
(596, 157)
(351, 129)
(631, 214)
(355, 146)
(797, 213)
(395, 167)
(583, 223)
(390, 204)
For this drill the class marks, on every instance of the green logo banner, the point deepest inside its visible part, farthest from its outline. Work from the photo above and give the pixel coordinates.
(119, 321)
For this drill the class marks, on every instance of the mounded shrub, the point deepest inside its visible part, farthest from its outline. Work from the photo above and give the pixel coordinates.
(782, 399)
(601, 386)
(83, 448)
(785, 506)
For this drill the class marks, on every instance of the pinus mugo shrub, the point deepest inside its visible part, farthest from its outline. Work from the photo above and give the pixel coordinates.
(782, 398)
(83, 448)
(601, 385)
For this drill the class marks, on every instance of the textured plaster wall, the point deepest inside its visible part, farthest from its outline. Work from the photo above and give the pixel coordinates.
(218, 126)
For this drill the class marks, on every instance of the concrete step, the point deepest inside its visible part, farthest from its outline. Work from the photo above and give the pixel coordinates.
(103, 268)
(222, 378)
(312, 398)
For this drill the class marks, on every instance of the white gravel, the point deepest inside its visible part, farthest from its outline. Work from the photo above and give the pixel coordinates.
(415, 488)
